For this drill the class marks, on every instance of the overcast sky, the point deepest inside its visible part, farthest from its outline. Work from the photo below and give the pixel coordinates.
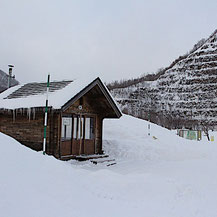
(113, 39)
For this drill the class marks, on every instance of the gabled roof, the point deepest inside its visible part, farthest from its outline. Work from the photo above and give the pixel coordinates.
(61, 94)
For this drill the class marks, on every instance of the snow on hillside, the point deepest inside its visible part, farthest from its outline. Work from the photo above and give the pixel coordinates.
(184, 95)
(4, 81)
(164, 177)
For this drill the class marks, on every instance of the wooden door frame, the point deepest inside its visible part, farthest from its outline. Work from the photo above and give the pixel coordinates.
(94, 127)
(83, 125)
(73, 115)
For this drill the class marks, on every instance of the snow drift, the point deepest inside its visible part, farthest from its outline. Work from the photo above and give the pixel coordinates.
(162, 176)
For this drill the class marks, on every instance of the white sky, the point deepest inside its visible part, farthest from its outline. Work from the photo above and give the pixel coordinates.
(113, 39)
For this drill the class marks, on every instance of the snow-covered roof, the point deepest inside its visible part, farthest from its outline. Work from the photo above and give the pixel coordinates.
(33, 95)
(32, 89)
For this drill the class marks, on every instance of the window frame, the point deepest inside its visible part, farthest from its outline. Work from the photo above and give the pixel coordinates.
(66, 138)
(74, 124)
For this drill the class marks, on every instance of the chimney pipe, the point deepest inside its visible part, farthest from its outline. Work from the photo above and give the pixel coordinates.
(10, 75)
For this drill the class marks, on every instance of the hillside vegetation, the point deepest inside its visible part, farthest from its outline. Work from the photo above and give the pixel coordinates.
(181, 95)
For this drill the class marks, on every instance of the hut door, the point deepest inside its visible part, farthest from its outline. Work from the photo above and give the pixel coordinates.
(83, 135)
(78, 132)
(66, 136)
(89, 136)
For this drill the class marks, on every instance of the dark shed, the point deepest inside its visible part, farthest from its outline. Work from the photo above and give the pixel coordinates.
(75, 116)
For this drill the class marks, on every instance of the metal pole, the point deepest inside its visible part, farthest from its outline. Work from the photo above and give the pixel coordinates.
(149, 126)
(80, 134)
(45, 116)
(81, 129)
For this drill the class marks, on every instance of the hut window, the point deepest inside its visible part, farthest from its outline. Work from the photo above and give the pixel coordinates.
(83, 128)
(78, 128)
(75, 128)
(66, 133)
(89, 128)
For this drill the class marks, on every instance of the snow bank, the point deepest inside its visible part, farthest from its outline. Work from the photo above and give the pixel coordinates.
(163, 177)
(130, 140)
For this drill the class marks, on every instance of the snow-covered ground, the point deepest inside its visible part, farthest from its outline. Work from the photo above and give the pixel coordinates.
(163, 177)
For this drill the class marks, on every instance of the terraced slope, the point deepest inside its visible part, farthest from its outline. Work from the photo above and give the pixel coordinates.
(184, 95)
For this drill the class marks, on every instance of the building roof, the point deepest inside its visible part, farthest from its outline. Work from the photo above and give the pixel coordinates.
(61, 94)
(33, 89)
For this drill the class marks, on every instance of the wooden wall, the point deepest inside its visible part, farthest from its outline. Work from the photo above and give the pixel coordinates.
(30, 131)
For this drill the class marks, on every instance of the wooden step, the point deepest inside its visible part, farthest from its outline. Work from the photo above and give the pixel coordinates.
(83, 157)
(111, 164)
(102, 161)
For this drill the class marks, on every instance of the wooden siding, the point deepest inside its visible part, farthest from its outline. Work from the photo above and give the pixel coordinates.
(29, 132)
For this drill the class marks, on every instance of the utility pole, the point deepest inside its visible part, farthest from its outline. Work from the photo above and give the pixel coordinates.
(10, 77)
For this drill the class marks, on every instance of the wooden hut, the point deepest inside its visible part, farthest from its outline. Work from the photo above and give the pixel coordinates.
(75, 116)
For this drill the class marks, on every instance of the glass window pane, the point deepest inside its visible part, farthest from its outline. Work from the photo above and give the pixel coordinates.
(66, 132)
(80, 127)
(75, 128)
(62, 131)
(87, 128)
(91, 128)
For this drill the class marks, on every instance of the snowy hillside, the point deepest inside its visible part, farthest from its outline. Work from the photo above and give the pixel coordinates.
(162, 177)
(4, 81)
(184, 95)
